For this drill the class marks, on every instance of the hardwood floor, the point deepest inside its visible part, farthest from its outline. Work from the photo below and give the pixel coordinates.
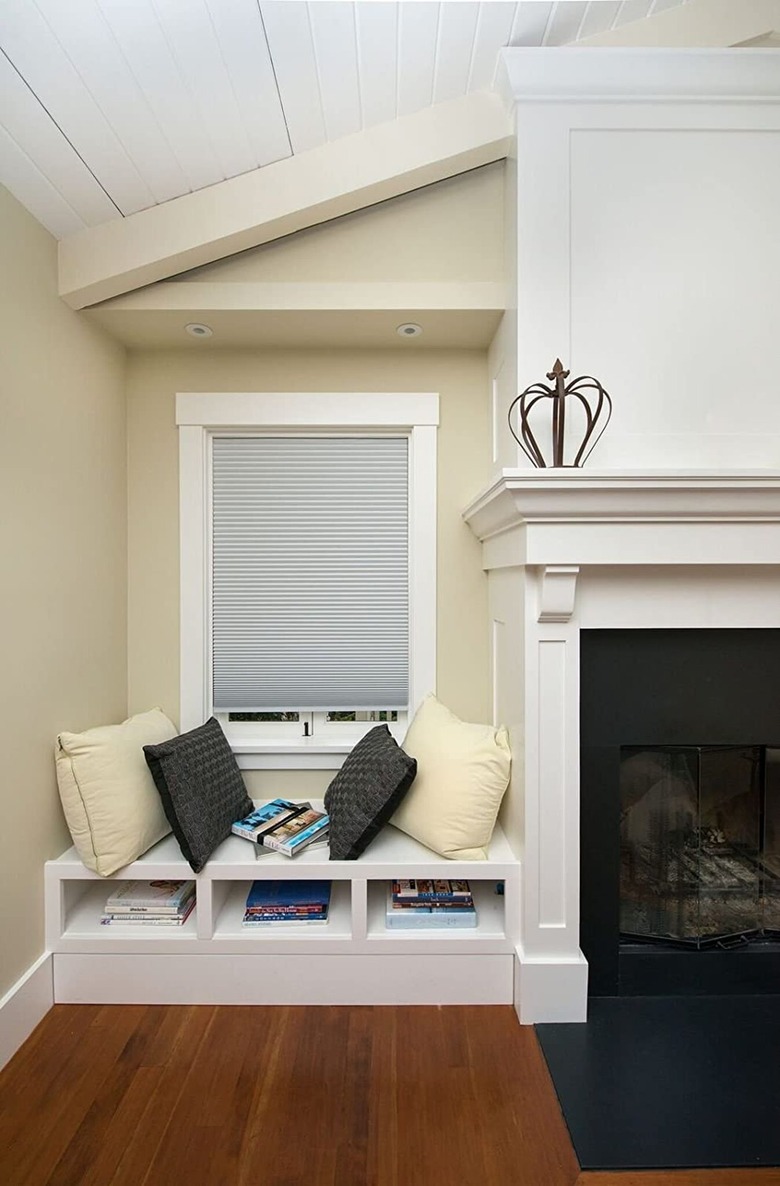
(238, 1096)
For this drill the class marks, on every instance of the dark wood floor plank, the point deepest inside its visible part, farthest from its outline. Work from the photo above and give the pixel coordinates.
(296, 1114)
(142, 1143)
(514, 1088)
(354, 1073)
(436, 1104)
(177, 1045)
(94, 1153)
(254, 1149)
(207, 1124)
(28, 1079)
(383, 1136)
(239, 1096)
(115, 1106)
(67, 1093)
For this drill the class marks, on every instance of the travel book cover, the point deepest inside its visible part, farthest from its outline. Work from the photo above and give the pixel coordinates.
(320, 840)
(294, 834)
(431, 891)
(266, 817)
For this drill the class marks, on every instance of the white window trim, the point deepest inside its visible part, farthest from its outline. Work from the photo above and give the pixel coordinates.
(198, 415)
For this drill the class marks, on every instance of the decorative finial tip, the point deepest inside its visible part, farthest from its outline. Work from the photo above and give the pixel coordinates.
(558, 371)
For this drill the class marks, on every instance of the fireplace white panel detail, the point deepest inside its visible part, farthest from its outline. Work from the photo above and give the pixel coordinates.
(666, 235)
(647, 186)
(551, 774)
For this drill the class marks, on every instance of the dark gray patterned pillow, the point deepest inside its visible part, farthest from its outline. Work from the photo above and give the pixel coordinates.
(201, 788)
(366, 791)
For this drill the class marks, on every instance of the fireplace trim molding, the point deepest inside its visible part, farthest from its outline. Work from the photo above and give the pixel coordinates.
(567, 550)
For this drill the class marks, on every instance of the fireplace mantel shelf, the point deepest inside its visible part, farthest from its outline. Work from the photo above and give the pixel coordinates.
(561, 495)
(568, 516)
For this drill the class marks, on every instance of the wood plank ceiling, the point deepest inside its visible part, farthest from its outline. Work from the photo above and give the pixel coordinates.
(108, 107)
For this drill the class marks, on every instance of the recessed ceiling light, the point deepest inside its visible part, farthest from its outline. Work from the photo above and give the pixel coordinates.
(409, 330)
(196, 329)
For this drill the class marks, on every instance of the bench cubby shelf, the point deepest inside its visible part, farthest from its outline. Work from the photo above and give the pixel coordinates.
(352, 959)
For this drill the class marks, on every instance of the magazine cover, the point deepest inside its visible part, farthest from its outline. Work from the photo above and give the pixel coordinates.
(152, 895)
(153, 919)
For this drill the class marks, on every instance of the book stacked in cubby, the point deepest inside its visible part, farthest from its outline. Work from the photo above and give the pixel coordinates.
(283, 826)
(149, 903)
(271, 903)
(420, 903)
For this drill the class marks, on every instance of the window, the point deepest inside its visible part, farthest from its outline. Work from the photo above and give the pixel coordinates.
(308, 553)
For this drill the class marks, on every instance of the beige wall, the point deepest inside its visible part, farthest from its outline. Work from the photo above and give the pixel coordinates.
(153, 591)
(63, 543)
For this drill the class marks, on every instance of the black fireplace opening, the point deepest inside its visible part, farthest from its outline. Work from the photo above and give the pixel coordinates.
(680, 811)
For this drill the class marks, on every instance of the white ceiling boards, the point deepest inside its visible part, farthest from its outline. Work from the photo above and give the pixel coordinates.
(113, 106)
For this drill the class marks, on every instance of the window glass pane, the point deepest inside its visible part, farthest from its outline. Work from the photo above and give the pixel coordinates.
(263, 716)
(373, 715)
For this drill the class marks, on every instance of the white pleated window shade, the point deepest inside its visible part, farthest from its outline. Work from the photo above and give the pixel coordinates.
(310, 595)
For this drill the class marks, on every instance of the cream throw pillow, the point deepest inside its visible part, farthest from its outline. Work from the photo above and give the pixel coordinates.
(462, 773)
(108, 794)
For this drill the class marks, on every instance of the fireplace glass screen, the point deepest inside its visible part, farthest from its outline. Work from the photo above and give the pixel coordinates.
(699, 844)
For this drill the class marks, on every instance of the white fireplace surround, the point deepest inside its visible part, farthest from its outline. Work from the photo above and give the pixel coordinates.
(642, 192)
(568, 550)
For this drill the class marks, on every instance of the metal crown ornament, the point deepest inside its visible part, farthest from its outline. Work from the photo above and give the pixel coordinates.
(589, 395)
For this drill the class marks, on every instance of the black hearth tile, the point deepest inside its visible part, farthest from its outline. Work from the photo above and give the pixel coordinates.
(670, 1082)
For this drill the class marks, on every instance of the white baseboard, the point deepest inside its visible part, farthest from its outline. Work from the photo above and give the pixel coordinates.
(366, 979)
(552, 989)
(24, 1005)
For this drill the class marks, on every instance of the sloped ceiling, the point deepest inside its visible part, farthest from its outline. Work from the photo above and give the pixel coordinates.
(109, 107)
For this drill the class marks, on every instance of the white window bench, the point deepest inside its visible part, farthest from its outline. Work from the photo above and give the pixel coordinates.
(352, 959)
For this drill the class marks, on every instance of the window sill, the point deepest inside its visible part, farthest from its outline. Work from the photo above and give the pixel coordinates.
(306, 754)
(300, 753)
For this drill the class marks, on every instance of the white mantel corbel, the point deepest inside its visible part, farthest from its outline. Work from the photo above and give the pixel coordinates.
(557, 592)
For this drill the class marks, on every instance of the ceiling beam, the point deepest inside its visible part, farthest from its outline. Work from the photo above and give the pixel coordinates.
(290, 195)
(706, 24)
(185, 296)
